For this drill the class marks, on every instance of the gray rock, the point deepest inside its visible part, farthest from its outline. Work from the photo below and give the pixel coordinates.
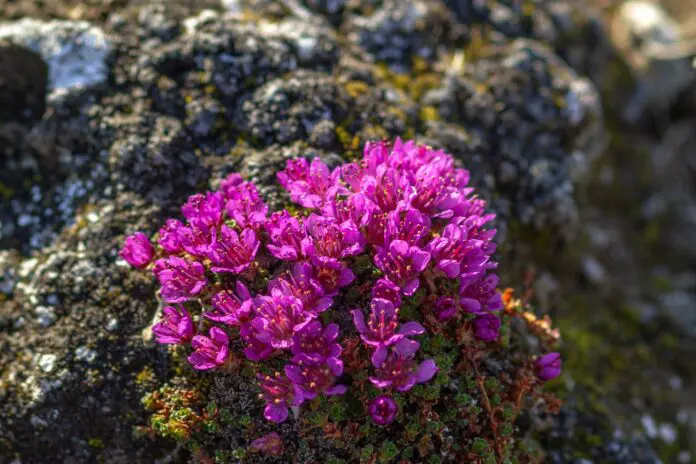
(75, 51)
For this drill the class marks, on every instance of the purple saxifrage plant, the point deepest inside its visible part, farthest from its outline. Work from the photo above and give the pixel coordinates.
(404, 206)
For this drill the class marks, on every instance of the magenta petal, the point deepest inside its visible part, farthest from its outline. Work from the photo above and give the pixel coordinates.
(200, 362)
(406, 348)
(275, 413)
(399, 247)
(449, 267)
(411, 328)
(336, 390)
(345, 277)
(379, 356)
(336, 366)
(380, 383)
(420, 259)
(359, 320)
(426, 371)
(411, 287)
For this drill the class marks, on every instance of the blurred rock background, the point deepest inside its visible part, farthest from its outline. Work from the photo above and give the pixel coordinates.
(576, 118)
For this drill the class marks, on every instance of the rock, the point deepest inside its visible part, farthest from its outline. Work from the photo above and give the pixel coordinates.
(23, 80)
(75, 51)
(523, 135)
(658, 53)
(397, 32)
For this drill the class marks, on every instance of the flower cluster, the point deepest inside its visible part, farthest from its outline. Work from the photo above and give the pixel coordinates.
(405, 206)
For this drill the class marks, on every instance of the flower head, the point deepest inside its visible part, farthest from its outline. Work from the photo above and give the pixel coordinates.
(169, 236)
(386, 189)
(205, 208)
(280, 394)
(302, 285)
(457, 255)
(332, 275)
(270, 444)
(245, 205)
(314, 379)
(328, 240)
(355, 209)
(383, 410)
(384, 289)
(380, 331)
(310, 185)
(196, 237)
(229, 184)
(176, 326)
(256, 349)
(400, 371)
(548, 367)
(181, 279)
(137, 250)
(402, 264)
(407, 224)
(278, 318)
(232, 252)
(286, 234)
(481, 295)
(231, 308)
(210, 351)
(317, 345)
(487, 327)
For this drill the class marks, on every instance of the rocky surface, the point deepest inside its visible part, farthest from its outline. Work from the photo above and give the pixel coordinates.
(167, 98)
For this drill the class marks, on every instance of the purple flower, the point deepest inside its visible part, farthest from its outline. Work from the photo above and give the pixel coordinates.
(457, 255)
(318, 346)
(169, 236)
(231, 308)
(176, 326)
(487, 327)
(383, 410)
(354, 208)
(481, 296)
(245, 206)
(256, 349)
(434, 193)
(548, 367)
(270, 444)
(137, 250)
(332, 275)
(196, 238)
(278, 318)
(386, 290)
(387, 189)
(181, 279)
(229, 184)
(376, 228)
(302, 285)
(286, 234)
(280, 394)
(400, 371)
(314, 379)
(232, 252)
(402, 264)
(310, 185)
(376, 154)
(210, 351)
(205, 208)
(445, 308)
(407, 224)
(327, 240)
(380, 331)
